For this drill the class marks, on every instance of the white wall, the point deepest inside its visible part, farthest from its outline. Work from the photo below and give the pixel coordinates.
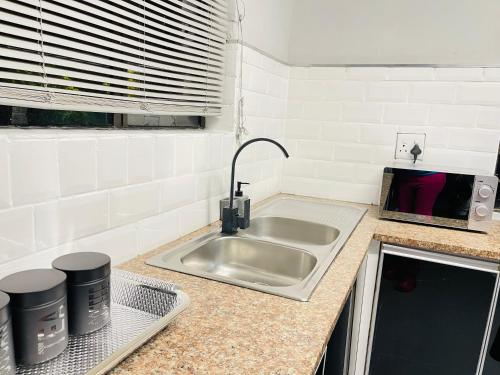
(342, 124)
(267, 25)
(127, 192)
(395, 31)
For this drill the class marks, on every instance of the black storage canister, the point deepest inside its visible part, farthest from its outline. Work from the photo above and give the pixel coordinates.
(7, 364)
(39, 316)
(89, 295)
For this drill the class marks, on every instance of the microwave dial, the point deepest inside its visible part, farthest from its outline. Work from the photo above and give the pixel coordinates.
(485, 191)
(482, 210)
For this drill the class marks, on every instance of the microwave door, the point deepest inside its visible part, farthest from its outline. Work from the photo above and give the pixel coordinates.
(431, 197)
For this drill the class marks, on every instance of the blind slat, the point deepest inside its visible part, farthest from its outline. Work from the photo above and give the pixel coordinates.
(58, 67)
(57, 30)
(90, 15)
(58, 24)
(130, 56)
(115, 32)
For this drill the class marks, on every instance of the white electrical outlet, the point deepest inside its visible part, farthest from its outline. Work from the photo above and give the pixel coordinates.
(405, 142)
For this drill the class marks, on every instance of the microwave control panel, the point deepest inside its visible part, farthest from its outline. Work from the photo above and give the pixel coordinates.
(482, 202)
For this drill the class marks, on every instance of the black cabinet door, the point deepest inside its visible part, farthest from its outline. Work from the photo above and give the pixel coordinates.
(336, 359)
(492, 358)
(430, 319)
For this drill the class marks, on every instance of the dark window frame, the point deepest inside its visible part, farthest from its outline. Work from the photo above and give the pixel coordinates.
(54, 119)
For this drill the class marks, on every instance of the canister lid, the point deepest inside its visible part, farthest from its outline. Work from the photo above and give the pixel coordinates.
(4, 308)
(84, 267)
(34, 287)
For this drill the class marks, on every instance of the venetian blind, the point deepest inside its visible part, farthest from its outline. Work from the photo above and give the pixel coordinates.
(129, 56)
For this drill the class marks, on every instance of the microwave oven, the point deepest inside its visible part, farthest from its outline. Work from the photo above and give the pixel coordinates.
(438, 197)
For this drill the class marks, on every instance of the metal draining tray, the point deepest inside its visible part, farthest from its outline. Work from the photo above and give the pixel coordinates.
(140, 308)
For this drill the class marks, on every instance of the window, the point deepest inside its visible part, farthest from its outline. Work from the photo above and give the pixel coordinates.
(45, 118)
(141, 57)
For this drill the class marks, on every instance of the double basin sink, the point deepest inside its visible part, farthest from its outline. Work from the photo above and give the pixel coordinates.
(286, 250)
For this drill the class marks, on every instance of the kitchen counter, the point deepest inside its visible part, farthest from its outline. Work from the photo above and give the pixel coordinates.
(232, 330)
(450, 241)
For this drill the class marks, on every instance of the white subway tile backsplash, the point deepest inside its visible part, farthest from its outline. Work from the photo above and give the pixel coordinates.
(130, 204)
(33, 171)
(410, 74)
(158, 230)
(194, 217)
(367, 73)
(77, 166)
(307, 186)
(36, 259)
(252, 57)
(489, 118)
(453, 115)
(300, 167)
(478, 162)
(340, 132)
(457, 109)
(164, 157)
(459, 74)
(111, 162)
(177, 192)
(295, 109)
(388, 92)
(373, 134)
(301, 129)
(492, 74)
(354, 153)
(183, 155)
(369, 174)
(215, 151)
(67, 219)
(486, 93)
(326, 73)
(119, 243)
(321, 110)
(140, 159)
(433, 92)
(315, 150)
(201, 148)
(406, 114)
(16, 233)
(362, 112)
(5, 200)
(344, 90)
(209, 184)
(474, 140)
(361, 193)
(306, 89)
(348, 115)
(337, 171)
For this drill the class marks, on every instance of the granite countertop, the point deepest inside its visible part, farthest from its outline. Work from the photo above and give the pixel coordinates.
(450, 241)
(232, 330)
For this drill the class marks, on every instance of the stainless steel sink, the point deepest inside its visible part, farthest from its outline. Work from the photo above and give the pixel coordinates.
(258, 262)
(292, 230)
(286, 250)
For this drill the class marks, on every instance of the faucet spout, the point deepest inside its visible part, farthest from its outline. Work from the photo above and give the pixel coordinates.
(229, 220)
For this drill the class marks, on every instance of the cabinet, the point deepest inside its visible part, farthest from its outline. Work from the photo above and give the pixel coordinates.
(335, 360)
(432, 315)
(492, 357)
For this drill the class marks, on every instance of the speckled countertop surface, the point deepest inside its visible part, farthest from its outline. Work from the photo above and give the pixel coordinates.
(450, 241)
(232, 330)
